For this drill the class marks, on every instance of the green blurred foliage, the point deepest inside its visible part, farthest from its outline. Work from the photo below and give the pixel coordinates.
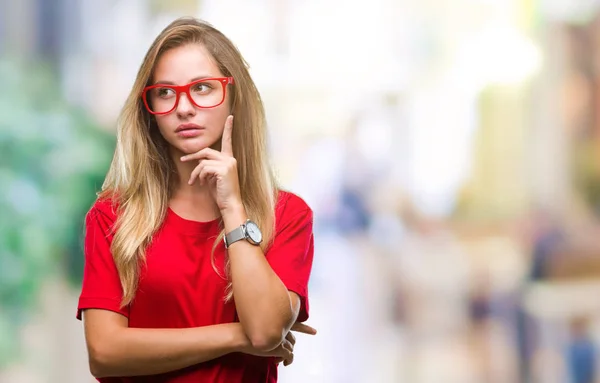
(53, 159)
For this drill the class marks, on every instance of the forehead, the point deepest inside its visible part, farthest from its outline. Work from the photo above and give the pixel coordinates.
(180, 65)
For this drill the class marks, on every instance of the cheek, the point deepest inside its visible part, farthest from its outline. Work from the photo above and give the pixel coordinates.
(164, 124)
(217, 118)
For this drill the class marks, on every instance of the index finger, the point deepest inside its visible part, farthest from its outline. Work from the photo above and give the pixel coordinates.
(301, 327)
(226, 145)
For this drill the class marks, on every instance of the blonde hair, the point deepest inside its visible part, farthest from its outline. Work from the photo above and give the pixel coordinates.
(139, 180)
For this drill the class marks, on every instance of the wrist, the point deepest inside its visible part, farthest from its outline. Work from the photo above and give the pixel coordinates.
(232, 205)
(233, 215)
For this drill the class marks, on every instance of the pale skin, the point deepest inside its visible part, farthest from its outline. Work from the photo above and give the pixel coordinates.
(208, 187)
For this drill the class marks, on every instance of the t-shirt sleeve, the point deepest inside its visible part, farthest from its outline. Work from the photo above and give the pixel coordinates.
(101, 287)
(291, 254)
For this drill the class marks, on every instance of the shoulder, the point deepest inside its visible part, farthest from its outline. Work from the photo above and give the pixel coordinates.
(104, 208)
(290, 206)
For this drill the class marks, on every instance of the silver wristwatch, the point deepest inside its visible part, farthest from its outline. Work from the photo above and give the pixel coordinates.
(248, 231)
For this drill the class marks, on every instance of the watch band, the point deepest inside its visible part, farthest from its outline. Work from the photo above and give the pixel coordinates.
(235, 235)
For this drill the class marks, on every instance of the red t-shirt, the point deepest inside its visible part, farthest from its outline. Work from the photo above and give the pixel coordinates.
(179, 288)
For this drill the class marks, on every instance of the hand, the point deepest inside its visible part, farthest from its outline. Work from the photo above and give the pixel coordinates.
(298, 327)
(292, 340)
(303, 328)
(285, 351)
(219, 170)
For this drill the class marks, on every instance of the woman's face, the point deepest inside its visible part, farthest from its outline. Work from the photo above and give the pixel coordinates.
(189, 128)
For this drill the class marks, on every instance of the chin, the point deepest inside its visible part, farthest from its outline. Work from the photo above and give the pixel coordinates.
(189, 146)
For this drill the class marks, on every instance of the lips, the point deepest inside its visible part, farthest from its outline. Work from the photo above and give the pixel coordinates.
(188, 130)
(184, 127)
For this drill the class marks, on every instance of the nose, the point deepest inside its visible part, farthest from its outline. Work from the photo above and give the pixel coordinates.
(185, 106)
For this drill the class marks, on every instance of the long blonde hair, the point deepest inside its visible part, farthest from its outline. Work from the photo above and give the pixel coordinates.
(141, 174)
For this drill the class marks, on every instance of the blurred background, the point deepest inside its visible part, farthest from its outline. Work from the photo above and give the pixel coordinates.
(449, 149)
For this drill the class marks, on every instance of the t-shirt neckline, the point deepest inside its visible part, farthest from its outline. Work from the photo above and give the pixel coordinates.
(191, 226)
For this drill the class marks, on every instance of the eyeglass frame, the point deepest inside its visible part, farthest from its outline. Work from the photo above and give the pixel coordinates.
(179, 89)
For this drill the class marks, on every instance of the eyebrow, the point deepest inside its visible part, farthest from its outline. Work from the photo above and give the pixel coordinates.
(192, 80)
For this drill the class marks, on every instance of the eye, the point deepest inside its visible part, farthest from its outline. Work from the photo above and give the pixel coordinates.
(202, 87)
(164, 92)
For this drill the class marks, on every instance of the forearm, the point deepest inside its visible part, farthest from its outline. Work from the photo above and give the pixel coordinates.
(262, 300)
(133, 351)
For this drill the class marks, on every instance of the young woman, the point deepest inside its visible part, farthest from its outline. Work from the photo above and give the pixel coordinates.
(196, 264)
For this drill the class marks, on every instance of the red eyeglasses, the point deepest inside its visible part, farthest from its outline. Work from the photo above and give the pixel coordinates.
(204, 93)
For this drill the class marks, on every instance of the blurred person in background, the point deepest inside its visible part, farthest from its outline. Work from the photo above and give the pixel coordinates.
(581, 352)
(196, 263)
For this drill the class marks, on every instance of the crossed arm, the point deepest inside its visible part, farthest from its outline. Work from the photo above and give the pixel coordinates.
(267, 312)
(116, 350)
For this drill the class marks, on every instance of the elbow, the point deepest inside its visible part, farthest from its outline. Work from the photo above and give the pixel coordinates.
(266, 340)
(267, 333)
(96, 370)
(99, 361)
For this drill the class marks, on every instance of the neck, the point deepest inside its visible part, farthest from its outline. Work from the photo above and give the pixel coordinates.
(194, 201)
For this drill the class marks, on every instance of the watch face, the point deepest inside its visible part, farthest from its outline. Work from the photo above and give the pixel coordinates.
(253, 232)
